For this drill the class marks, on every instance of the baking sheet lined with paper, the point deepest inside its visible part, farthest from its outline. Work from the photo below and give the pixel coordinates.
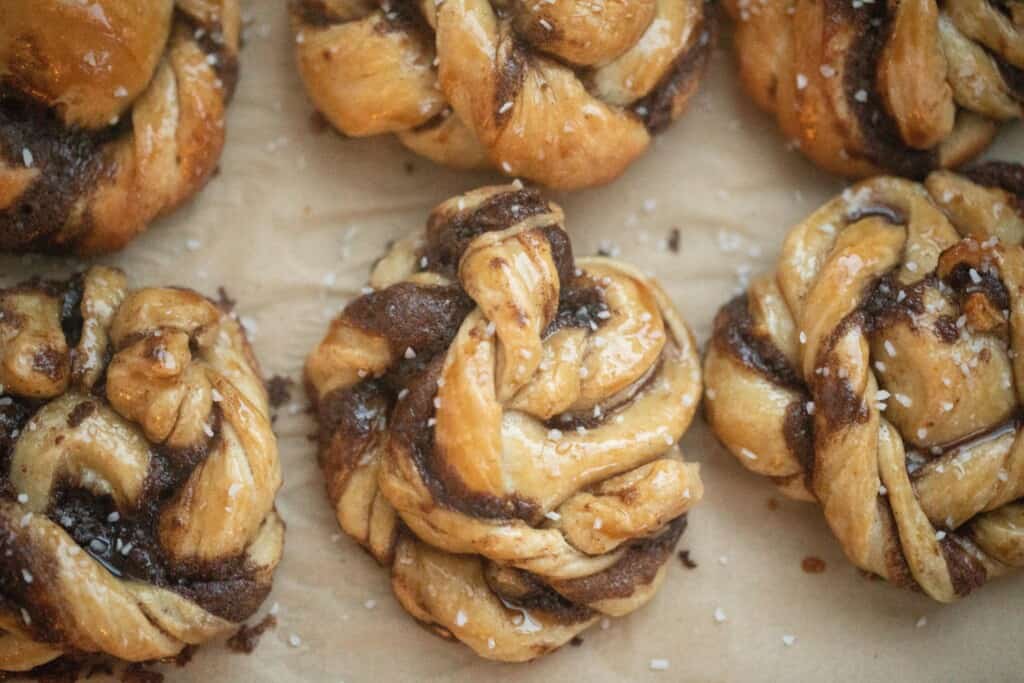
(290, 227)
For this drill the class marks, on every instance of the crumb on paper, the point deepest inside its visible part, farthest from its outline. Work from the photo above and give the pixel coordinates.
(688, 562)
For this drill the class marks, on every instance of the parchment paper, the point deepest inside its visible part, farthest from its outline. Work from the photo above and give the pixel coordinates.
(291, 226)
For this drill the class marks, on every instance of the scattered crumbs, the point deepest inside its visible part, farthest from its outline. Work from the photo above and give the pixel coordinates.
(673, 240)
(813, 565)
(247, 637)
(370, 604)
(192, 244)
(922, 622)
(772, 504)
(688, 562)
(788, 640)
(659, 665)
(576, 641)
(723, 560)
(225, 302)
(294, 640)
(409, 167)
(720, 616)
(605, 623)
(279, 390)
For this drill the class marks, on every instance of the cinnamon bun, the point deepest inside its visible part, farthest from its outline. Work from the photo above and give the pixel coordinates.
(878, 373)
(138, 472)
(565, 94)
(111, 114)
(865, 88)
(498, 426)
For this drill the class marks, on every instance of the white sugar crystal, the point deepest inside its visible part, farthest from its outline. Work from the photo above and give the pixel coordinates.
(409, 353)
(922, 622)
(460, 618)
(294, 640)
(801, 81)
(788, 640)
(719, 615)
(659, 665)
(26, 157)
(370, 604)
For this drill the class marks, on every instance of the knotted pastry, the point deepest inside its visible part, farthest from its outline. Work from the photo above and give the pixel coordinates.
(879, 371)
(884, 87)
(566, 94)
(137, 472)
(498, 425)
(111, 114)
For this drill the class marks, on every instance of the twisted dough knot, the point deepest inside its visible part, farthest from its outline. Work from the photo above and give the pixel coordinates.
(138, 472)
(566, 94)
(875, 87)
(879, 371)
(111, 114)
(498, 424)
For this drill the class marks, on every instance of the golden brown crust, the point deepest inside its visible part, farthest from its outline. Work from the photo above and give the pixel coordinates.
(878, 372)
(564, 94)
(498, 424)
(884, 87)
(111, 114)
(137, 472)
